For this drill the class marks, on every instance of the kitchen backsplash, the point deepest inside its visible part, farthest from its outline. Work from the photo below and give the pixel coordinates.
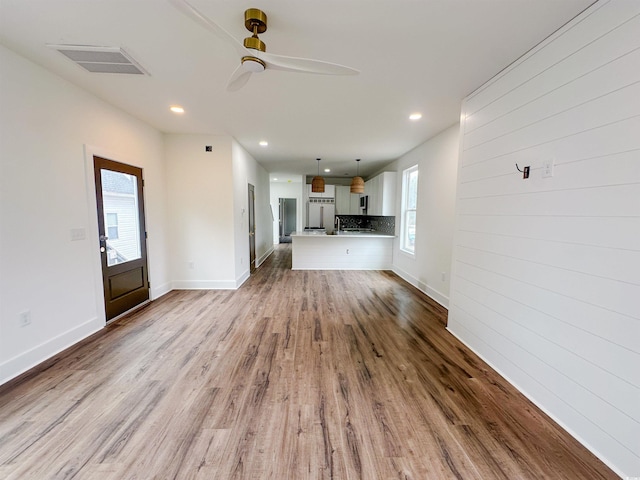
(382, 224)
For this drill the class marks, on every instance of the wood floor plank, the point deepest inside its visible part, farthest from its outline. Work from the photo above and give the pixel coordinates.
(296, 375)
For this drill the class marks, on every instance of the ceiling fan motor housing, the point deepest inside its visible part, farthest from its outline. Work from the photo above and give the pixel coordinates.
(255, 21)
(255, 43)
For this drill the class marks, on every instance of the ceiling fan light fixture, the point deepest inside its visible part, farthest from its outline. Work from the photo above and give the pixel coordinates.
(253, 64)
(357, 183)
(317, 183)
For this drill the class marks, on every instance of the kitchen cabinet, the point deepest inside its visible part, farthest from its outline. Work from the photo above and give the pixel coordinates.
(329, 192)
(381, 191)
(346, 202)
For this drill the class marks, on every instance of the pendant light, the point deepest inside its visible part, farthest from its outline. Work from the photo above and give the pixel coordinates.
(317, 184)
(357, 184)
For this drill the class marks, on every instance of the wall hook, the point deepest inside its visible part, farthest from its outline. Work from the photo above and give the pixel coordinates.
(525, 171)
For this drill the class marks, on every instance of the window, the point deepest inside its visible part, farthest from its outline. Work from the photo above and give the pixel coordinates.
(112, 226)
(409, 204)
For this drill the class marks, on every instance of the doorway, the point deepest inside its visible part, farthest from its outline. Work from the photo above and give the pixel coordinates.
(121, 227)
(287, 220)
(252, 228)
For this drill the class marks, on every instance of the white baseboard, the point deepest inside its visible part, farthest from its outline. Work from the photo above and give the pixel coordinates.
(426, 289)
(157, 292)
(261, 260)
(242, 278)
(38, 354)
(204, 285)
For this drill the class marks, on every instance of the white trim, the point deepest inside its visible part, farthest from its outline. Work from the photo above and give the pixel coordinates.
(162, 290)
(426, 289)
(204, 285)
(541, 407)
(92, 222)
(26, 360)
(264, 257)
(404, 190)
(583, 15)
(243, 278)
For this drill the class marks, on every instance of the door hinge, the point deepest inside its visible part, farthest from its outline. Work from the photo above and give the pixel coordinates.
(146, 235)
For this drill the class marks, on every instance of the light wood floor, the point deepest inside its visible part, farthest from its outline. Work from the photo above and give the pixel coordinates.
(296, 375)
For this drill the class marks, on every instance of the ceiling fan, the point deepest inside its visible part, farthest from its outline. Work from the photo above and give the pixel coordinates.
(253, 55)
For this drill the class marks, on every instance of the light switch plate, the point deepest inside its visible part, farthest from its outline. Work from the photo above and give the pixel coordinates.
(78, 234)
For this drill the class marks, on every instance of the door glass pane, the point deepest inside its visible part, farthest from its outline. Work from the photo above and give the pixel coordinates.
(122, 225)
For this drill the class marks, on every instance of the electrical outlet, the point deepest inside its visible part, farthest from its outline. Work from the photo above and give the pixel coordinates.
(347, 251)
(443, 276)
(24, 318)
(547, 168)
(191, 265)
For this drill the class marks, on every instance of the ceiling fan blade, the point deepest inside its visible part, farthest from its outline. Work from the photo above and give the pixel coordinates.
(303, 65)
(238, 79)
(193, 13)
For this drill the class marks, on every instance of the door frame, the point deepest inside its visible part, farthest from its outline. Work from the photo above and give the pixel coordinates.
(134, 295)
(251, 220)
(93, 236)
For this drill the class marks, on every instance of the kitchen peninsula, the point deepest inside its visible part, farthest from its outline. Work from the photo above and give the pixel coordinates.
(350, 248)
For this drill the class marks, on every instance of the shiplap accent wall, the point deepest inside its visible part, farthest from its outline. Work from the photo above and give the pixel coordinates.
(546, 271)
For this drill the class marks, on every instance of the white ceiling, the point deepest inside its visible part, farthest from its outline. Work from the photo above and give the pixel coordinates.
(413, 55)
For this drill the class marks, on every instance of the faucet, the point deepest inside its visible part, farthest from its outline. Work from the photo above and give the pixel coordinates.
(337, 223)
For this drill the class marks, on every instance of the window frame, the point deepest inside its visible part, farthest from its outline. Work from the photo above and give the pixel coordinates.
(406, 210)
(109, 226)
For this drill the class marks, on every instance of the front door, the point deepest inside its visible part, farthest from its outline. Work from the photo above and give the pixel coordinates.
(252, 228)
(123, 246)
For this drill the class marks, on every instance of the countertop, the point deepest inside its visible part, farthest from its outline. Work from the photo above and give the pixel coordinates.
(342, 233)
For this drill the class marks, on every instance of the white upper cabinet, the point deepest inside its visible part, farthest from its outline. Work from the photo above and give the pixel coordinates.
(381, 190)
(347, 203)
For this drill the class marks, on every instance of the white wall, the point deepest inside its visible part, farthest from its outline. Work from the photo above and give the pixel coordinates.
(200, 211)
(437, 161)
(247, 171)
(46, 189)
(287, 190)
(50, 131)
(546, 282)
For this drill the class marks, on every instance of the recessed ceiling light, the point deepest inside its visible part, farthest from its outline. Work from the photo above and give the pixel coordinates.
(264, 143)
(327, 170)
(176, 109)
(415, 116)
(275, 179)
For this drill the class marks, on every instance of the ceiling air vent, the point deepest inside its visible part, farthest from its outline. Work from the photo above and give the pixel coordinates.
(101, 59)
